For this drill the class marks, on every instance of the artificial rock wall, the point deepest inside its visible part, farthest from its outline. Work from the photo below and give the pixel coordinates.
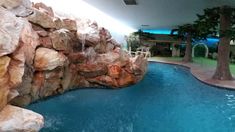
(42, 55)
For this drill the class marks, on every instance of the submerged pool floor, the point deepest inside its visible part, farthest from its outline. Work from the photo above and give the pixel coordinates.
(168, 99)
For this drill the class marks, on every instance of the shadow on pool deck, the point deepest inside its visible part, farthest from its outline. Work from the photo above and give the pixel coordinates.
(201, 73)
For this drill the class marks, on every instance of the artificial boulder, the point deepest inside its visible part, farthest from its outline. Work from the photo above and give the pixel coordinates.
(16, 72)
(21, 100)
(3, 97)
(69, 24)
(4, 63)
(40, 31)
(42, 19)
(43, 55)
(139, 65)
(4, 80)
(28, 43)
(21, 8)
(109, 47)
(37, 85)
(108, 58)
(44, 8)
(10, 4)
(52, 82)
(11, 28)
(104, 81)
(48, 59)
(15, 119)
(61, 40)
(88, 31)
(126, 79)
(92, 70)
(46, 42)
(77, 58)
(114, 71)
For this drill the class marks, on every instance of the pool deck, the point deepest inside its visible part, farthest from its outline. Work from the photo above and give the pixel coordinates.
(201, 73)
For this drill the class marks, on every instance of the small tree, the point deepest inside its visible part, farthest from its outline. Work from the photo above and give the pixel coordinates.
(188, 33)
(220, 21)
(135, 39)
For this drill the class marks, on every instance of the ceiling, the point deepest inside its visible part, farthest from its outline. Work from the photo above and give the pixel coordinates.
(158, 14)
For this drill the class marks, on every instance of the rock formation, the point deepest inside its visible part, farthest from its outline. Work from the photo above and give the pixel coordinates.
(15, 119)
(43, 55)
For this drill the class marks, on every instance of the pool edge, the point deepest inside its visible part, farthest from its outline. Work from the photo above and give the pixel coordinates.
(195, 75)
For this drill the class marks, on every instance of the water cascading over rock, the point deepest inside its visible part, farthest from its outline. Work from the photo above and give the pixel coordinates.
(43, 55)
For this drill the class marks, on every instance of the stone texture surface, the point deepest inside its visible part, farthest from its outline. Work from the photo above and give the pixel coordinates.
(104, 80)
(28, 43)
(19, 52)
(4, 91)
(15, 119)
(114, 71)
(18, 7)
(44, 8)
(22, 10)
(39, 30)
(48, 59)
(126, 79)
(16, 72)
(4, 63)
(42, 19)
(10, 4)
(11, 28)
(69, 24)
(46, 42)
(44, 55)
(91, 70)
(37, 85)
(61, 40)
(108, 58)
(77, 58)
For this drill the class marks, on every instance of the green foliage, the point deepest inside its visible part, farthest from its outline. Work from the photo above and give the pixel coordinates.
(212, 49)
(177, 46)
(207, 25)
(199, 51)
(154, 50)
(209, 21)
(188, 29)
(133, 41)
(144, 35)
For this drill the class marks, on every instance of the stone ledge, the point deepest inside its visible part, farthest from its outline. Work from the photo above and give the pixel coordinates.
(202, 74)
(16, 119)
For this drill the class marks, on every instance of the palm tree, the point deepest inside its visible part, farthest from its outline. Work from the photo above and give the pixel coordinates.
(219, 21)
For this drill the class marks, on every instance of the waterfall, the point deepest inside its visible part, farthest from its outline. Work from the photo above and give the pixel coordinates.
(83, 42)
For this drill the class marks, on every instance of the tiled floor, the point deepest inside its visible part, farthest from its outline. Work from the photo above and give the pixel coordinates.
(201, 73)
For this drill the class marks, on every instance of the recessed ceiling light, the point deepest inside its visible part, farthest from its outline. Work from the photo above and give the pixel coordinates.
(130, 2)
(144, 25)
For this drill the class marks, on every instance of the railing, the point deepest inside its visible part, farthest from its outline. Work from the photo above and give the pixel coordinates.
(140, 51)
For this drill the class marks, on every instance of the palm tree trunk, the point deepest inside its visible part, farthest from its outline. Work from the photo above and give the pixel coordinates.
(188, 51)
(222, 70)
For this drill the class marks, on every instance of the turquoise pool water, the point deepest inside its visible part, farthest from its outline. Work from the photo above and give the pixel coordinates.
(168, 99)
